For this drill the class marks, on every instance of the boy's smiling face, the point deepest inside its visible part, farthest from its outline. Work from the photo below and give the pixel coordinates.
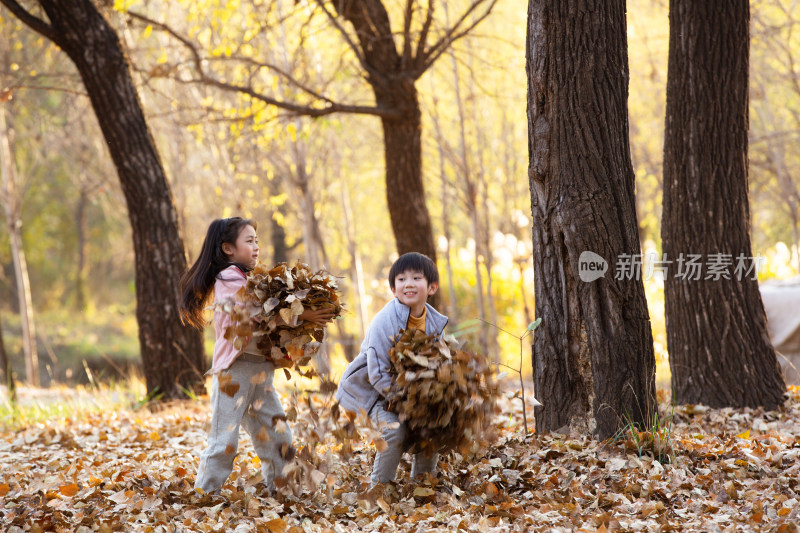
(413, 289)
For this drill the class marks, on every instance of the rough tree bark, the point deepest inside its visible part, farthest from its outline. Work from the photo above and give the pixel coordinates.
(719, 350)
(593, 355)
(172, 354)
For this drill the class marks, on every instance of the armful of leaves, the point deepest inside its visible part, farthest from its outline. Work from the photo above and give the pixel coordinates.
(285, 310)
(444, 394)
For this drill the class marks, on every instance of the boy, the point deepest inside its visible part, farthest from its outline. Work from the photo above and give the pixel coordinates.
(366, 380)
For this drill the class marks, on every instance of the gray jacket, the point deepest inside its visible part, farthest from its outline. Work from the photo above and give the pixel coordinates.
(366, 378)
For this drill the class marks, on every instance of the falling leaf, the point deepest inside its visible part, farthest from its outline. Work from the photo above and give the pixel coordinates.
(258, 379)
(230, 389)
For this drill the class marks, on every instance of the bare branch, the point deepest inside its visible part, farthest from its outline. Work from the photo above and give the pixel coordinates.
(328, 107)
(428, 57)
(423, 35)
(406, 58)
(378, 54)
(346, 36)
(35, 23)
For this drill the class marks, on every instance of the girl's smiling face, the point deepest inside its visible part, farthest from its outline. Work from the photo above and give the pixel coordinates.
(245, 249)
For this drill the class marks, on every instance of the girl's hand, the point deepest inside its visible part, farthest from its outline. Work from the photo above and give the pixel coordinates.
(317, 316)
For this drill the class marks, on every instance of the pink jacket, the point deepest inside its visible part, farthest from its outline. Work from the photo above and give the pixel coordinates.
(228, 283)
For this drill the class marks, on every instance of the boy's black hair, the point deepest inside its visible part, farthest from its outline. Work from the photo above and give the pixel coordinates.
(414, 262)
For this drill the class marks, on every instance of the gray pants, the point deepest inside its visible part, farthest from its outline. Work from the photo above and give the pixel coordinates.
(254, 405)
(385, 467)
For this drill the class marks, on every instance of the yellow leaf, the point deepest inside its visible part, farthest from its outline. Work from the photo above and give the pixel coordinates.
(744, 435)
(70, 489)
(154, 436)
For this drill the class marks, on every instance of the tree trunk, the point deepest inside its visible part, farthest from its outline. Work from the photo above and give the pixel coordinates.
(172, 354)
(405, 191)
(81, 223)
(593, 360)
(394, 88)
(280, 249)
(452, 307)
(12, 203)
(719, 350)
(7, 371)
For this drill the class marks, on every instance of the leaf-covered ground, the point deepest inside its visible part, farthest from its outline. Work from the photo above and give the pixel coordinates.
(733, 470)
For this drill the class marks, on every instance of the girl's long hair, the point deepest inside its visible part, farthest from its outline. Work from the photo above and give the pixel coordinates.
(198, 282)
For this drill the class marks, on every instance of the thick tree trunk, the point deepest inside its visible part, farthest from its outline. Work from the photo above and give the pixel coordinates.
(719, 350)
(172, 354)
(593, 355)
(405, 191)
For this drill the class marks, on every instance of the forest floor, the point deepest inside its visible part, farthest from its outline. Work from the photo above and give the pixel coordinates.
(133, 470)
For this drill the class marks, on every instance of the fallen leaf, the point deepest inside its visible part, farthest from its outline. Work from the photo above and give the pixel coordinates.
(70, 489)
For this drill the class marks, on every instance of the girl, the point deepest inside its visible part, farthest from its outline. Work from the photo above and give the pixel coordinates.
(242, 392)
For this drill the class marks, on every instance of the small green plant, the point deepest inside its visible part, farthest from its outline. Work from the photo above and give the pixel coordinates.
(528, 331)
(153, 396)
(190, 393)
(655, 439)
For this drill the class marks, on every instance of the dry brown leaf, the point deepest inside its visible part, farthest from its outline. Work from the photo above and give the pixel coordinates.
(277, 525)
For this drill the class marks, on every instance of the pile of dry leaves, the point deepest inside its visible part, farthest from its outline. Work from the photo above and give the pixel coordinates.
(272, 300)
(732, 470)
(445, 395)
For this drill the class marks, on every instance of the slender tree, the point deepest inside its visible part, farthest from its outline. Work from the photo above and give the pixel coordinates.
(11, 204)
(5, 366)
(593, 360)
(172, 354)
(719, 350)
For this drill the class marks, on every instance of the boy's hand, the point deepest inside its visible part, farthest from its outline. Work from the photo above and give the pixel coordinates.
(317, 316)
